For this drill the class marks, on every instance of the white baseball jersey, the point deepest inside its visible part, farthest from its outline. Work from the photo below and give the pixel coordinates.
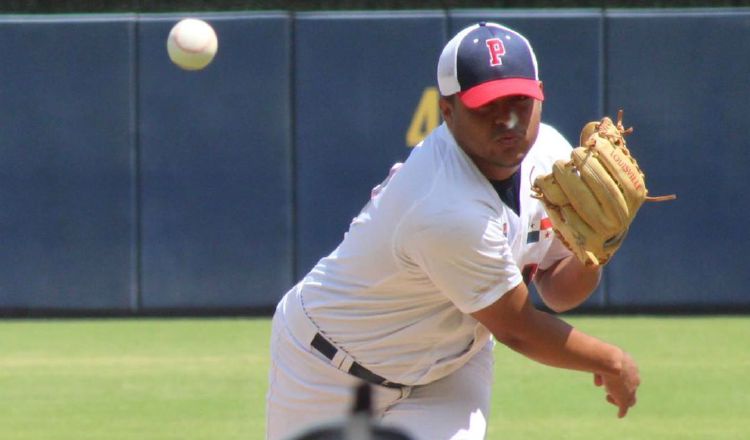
(436, 244)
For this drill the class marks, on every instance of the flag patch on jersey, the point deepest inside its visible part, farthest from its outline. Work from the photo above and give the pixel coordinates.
(539, 230)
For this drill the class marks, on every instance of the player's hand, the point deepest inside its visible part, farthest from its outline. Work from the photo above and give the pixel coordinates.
(621, 388)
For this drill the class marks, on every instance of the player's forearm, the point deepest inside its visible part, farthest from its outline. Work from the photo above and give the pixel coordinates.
(567, 284)
(542, 337)
(551, 341)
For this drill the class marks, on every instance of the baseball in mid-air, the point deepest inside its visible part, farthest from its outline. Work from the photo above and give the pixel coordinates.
(192, 44)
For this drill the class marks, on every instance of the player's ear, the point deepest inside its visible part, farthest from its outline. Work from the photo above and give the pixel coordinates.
(541, 86)
(446, 108)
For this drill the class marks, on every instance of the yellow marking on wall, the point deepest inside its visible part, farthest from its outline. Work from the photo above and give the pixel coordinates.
(426, 117)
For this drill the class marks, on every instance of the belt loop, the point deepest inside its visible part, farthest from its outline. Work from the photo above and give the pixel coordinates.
(339, 359)
(346, 363)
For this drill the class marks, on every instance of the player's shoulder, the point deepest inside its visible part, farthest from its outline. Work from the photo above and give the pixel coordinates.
(450, 228)
(551, 139)
(550, 144)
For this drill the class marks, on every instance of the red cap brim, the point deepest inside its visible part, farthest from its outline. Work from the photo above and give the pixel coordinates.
(484, 93)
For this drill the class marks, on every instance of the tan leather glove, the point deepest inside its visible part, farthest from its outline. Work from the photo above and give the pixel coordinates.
(593, 198)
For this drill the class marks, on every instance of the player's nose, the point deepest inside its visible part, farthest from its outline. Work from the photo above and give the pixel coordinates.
(506, 117)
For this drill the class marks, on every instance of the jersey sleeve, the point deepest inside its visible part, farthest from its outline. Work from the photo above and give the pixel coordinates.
(556, 147)
(556, 252)
(468, 261)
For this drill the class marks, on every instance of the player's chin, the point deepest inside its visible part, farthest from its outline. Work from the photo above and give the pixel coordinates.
(508, 162)
(512, 157)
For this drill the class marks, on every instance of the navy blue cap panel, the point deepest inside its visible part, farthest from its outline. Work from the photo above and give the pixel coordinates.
(489, 53)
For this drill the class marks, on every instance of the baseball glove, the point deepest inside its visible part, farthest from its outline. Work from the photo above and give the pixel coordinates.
(593, 198)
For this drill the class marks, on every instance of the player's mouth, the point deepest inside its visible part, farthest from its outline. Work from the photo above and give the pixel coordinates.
(508, 138)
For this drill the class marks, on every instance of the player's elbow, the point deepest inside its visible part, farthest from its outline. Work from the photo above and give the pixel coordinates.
(513, 341)
(567, 286)
(562, 306)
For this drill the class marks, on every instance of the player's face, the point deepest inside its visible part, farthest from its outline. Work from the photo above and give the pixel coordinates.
(497, 136)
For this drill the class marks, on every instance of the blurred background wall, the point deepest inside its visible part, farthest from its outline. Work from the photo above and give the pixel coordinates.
(129, 186)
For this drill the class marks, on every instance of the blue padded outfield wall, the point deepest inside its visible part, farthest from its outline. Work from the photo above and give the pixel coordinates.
(215, 175)
(129, 186)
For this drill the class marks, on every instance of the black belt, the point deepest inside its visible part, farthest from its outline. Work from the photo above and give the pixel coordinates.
(329, 350)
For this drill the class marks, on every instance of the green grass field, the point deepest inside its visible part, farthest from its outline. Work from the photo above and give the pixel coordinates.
(206, 379)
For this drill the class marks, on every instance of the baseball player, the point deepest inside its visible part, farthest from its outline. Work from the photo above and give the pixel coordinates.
(438, 262)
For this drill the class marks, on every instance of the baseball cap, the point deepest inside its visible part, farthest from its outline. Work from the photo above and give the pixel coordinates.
(487, 61)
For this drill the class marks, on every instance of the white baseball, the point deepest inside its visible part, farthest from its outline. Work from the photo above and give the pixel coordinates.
(192, 44)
